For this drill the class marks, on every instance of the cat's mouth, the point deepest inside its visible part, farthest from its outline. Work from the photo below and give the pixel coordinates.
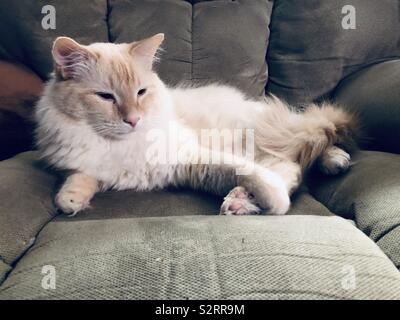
(115, 131)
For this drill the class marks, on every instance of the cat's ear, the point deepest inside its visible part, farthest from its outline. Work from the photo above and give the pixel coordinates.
(145, 50)
(71, 58)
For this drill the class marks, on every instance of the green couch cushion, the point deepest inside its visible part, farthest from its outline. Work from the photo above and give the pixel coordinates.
(390, 244)
(305, 204)
(215, 257)
(374, 95)
(198, 47)
(27, 191)
(368, 193)
(26, 42)
(195, 46)
(128, 204)
(26, 203)
(310, 52)
(4, 269)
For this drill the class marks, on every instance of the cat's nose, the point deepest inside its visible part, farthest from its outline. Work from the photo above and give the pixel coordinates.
(132, 120)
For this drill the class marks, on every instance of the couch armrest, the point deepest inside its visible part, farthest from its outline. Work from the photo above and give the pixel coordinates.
(369, 193)
(374, 93)
(26, 204)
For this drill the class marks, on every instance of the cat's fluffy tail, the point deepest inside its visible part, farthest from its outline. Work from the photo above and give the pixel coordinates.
(304, 136)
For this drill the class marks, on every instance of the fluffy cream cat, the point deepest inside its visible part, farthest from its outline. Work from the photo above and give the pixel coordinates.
(104, 106)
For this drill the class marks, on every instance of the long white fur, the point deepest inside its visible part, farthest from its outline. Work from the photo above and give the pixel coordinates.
(281, 136)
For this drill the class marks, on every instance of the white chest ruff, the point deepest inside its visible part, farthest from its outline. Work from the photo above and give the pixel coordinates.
(125, 166)
(119, 165)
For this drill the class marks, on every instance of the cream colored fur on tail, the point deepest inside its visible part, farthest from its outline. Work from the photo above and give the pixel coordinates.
(98, 109)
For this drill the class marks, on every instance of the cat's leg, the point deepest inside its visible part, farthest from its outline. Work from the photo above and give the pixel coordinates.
(267, 189)
(76, 193)
(334, 160)
(240, 201)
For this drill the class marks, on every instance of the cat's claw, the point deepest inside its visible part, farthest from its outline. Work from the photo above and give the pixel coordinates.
(239, 202)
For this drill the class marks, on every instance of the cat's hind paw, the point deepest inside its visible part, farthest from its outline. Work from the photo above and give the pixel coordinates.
(71, 202)
(239, 202)
(334, 161)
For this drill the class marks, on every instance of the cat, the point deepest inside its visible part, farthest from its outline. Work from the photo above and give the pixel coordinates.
(103, 100)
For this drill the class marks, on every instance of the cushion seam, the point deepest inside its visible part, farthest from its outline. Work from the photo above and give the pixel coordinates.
(387, 231)
(24, 252)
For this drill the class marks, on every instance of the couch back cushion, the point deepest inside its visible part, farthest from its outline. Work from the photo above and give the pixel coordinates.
(23, 39)
(310, 51)
(224, 40)
(206, 41)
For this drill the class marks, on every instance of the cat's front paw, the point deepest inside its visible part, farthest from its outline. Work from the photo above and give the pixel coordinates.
(239, 202)
(269, 192)
(71, 201)
(334, 161)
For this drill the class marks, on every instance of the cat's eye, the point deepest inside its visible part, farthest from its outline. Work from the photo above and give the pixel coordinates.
(106, 96)
(141, 92)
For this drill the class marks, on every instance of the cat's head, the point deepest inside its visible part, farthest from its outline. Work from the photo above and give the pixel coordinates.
(111, 87)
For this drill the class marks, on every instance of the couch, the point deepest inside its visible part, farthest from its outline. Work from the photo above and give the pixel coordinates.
(341, 238)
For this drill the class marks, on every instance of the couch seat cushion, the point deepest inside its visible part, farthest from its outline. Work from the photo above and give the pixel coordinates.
(4, 269)
(370, 194)
(28, 188)
(390, 245)
(26, 193)
(176, 202)
(215, 257)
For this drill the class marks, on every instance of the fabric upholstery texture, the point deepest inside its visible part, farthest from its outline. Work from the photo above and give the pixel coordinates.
(310, 52)
(389, 243)
(4, 269)
(195, 46)
(23, 39)
(176, 202)
(368, 193)
(292, 257)
(26, 204)
(374, 95)
(195, 42)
